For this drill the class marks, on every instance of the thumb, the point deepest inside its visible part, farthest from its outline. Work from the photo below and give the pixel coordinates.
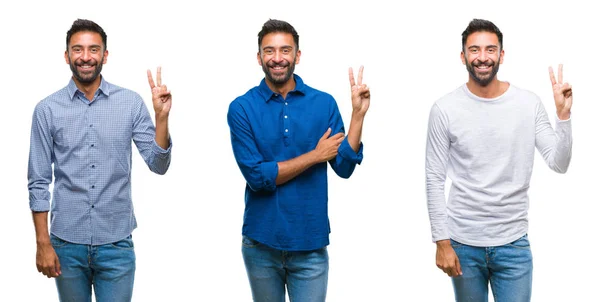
(57, 266)
(458, 269)
(326, 135)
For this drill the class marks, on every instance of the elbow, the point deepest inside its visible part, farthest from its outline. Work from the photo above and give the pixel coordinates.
(344, 173)
(258, 185)
(261, 177)
(561, 170)
(160, 169)
(560, 167)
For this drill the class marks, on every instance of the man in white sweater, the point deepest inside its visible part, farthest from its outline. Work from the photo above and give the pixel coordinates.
(483, 136)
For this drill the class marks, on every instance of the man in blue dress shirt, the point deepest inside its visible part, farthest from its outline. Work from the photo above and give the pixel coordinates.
(283, 133)
(85, 130)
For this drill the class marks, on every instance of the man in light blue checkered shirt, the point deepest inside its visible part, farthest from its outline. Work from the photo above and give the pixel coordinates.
(85, 130)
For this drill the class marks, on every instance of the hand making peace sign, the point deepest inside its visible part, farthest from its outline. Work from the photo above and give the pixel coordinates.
(361, 95)
(563, 94)
(161, 96)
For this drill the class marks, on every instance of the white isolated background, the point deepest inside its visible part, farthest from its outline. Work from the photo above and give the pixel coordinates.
(189, 235)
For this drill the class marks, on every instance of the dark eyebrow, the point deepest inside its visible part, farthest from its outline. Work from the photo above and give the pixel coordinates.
(282, 47)
(91, 46)
(487, 47)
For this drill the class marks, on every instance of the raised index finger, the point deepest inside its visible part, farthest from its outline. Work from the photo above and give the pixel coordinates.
(150, 79)
(158, 76)
(552, 78)
(360, 73)
(351, 75)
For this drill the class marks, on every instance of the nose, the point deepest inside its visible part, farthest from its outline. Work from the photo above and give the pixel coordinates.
(277, 56)
(482, 56)
(86, 55)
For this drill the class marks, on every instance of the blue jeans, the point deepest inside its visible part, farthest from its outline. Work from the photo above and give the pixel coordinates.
(109, 268)
(507, 268)
(270, 270)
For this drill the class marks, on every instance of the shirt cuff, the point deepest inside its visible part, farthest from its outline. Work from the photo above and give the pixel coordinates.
(39, 205)
(347, 153)
(558, 120)
(159, 150)
(269, 171)
(441, 234)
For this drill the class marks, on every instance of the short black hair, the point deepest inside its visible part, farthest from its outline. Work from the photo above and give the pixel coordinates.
(85, 25)
(273, 26)
(477, 25)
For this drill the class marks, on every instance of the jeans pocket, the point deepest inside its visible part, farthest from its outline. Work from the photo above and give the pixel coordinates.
(455, 244)
(57, 242)
(249, 242)
(125, 244)
(521, 243)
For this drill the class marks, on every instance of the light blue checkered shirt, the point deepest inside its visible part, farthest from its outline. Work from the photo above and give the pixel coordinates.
(89, 144)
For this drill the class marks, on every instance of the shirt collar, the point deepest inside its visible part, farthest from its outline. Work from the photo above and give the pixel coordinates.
(267, 93)
(103, 88)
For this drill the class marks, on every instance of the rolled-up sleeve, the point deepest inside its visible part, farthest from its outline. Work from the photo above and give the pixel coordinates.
(259, 173)
(39, 172)
(346, 160)
(144, 133)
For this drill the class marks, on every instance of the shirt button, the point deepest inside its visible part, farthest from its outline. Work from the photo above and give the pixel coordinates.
(285, 116)
(91, 125)
(92, 145)
(93, 166)
(286, 130)
(93, 206)
(93, 187)
(286, 103)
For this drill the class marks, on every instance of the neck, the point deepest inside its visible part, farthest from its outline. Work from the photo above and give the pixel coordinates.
(282, 89)
(89, 89)
(492, 90)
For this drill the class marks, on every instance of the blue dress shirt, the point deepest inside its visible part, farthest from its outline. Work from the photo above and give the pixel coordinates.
(266, 129)
(89, 143)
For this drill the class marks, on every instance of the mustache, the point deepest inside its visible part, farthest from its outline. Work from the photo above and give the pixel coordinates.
(487, 63)
(80, 62)
(281, 64)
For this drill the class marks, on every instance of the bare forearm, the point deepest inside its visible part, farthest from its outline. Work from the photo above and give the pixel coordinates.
(355, 131)
(40, 221)
(162, 131)
(291, 168)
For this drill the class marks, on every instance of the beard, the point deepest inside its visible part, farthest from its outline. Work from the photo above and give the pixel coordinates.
(483, 79)
(278, 79)
(87, 77)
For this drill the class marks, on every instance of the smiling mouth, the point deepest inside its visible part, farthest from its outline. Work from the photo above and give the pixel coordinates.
(86, 67)
(483, 67)
(278, 68)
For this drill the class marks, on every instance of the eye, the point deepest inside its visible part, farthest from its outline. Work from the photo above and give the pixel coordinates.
(76, 49)
(492, 50)
(286, 51)
(474, 50)
(268, 51)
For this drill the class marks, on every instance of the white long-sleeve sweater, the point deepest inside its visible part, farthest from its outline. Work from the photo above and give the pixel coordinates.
(486, 147)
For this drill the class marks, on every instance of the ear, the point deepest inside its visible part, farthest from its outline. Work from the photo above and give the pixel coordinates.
(298, 53)
(258, 58)
(501, 56)
(462, 57)
(66, 57)
(105, 56)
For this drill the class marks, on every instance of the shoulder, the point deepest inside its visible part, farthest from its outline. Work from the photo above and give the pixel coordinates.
(450, 99)
(119, 93)
(524, 95)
